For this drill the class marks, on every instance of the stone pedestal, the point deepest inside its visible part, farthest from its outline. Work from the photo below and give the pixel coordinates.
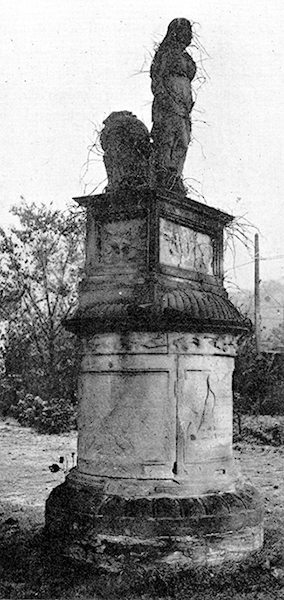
(156, 479)
(158, 406)
(155, 472)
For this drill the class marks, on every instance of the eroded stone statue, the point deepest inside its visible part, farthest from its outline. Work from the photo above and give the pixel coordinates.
(126, 144)
(172, 72)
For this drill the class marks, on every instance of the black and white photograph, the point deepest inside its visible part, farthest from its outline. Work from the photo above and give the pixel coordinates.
(142, 300)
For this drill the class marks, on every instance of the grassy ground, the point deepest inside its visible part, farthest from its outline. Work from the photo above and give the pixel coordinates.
(28, 569)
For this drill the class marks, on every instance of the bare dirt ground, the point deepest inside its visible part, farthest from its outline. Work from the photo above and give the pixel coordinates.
(25, 457)
(26, 482)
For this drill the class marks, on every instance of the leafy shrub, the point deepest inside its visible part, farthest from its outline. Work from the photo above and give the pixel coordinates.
(257, 378)
(10, 387)
(273, 402)
(266, 430)
(41, 264)
(56, 415)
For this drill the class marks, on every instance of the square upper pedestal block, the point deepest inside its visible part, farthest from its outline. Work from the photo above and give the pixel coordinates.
(153, 262)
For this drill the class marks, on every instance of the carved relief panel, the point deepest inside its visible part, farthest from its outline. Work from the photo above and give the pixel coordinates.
(123, 243)
(127, 416)
(205, 408)
(185, 248)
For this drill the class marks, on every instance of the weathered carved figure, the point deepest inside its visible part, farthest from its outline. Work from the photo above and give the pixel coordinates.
(126, 144)
(172, 72)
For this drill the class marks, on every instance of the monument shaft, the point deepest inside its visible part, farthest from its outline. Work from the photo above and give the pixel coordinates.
(159, 335)
(156, 478)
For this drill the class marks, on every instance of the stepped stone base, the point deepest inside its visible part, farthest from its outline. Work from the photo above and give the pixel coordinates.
(93, 524)
(156, 480)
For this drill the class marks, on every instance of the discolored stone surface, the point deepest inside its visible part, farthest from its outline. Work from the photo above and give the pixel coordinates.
(154, 262)
(126, 144)
(155, 479)
(94, 526)
(155, 474)
(156, 407)
(172, 72)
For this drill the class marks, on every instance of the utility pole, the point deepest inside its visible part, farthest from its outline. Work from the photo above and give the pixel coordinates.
(256, 293)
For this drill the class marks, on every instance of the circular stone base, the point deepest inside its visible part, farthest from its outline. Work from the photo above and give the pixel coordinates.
(93, 526)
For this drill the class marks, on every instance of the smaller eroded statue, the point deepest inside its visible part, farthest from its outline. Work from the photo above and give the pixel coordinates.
(126, 144)
(172, 71)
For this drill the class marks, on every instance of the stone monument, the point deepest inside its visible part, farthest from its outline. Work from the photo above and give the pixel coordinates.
(171, 72)
(156, 478)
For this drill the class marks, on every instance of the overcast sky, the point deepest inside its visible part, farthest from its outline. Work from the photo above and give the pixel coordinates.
(66, 64)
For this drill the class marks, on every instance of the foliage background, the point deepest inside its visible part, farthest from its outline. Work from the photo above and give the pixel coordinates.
(41, 264)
